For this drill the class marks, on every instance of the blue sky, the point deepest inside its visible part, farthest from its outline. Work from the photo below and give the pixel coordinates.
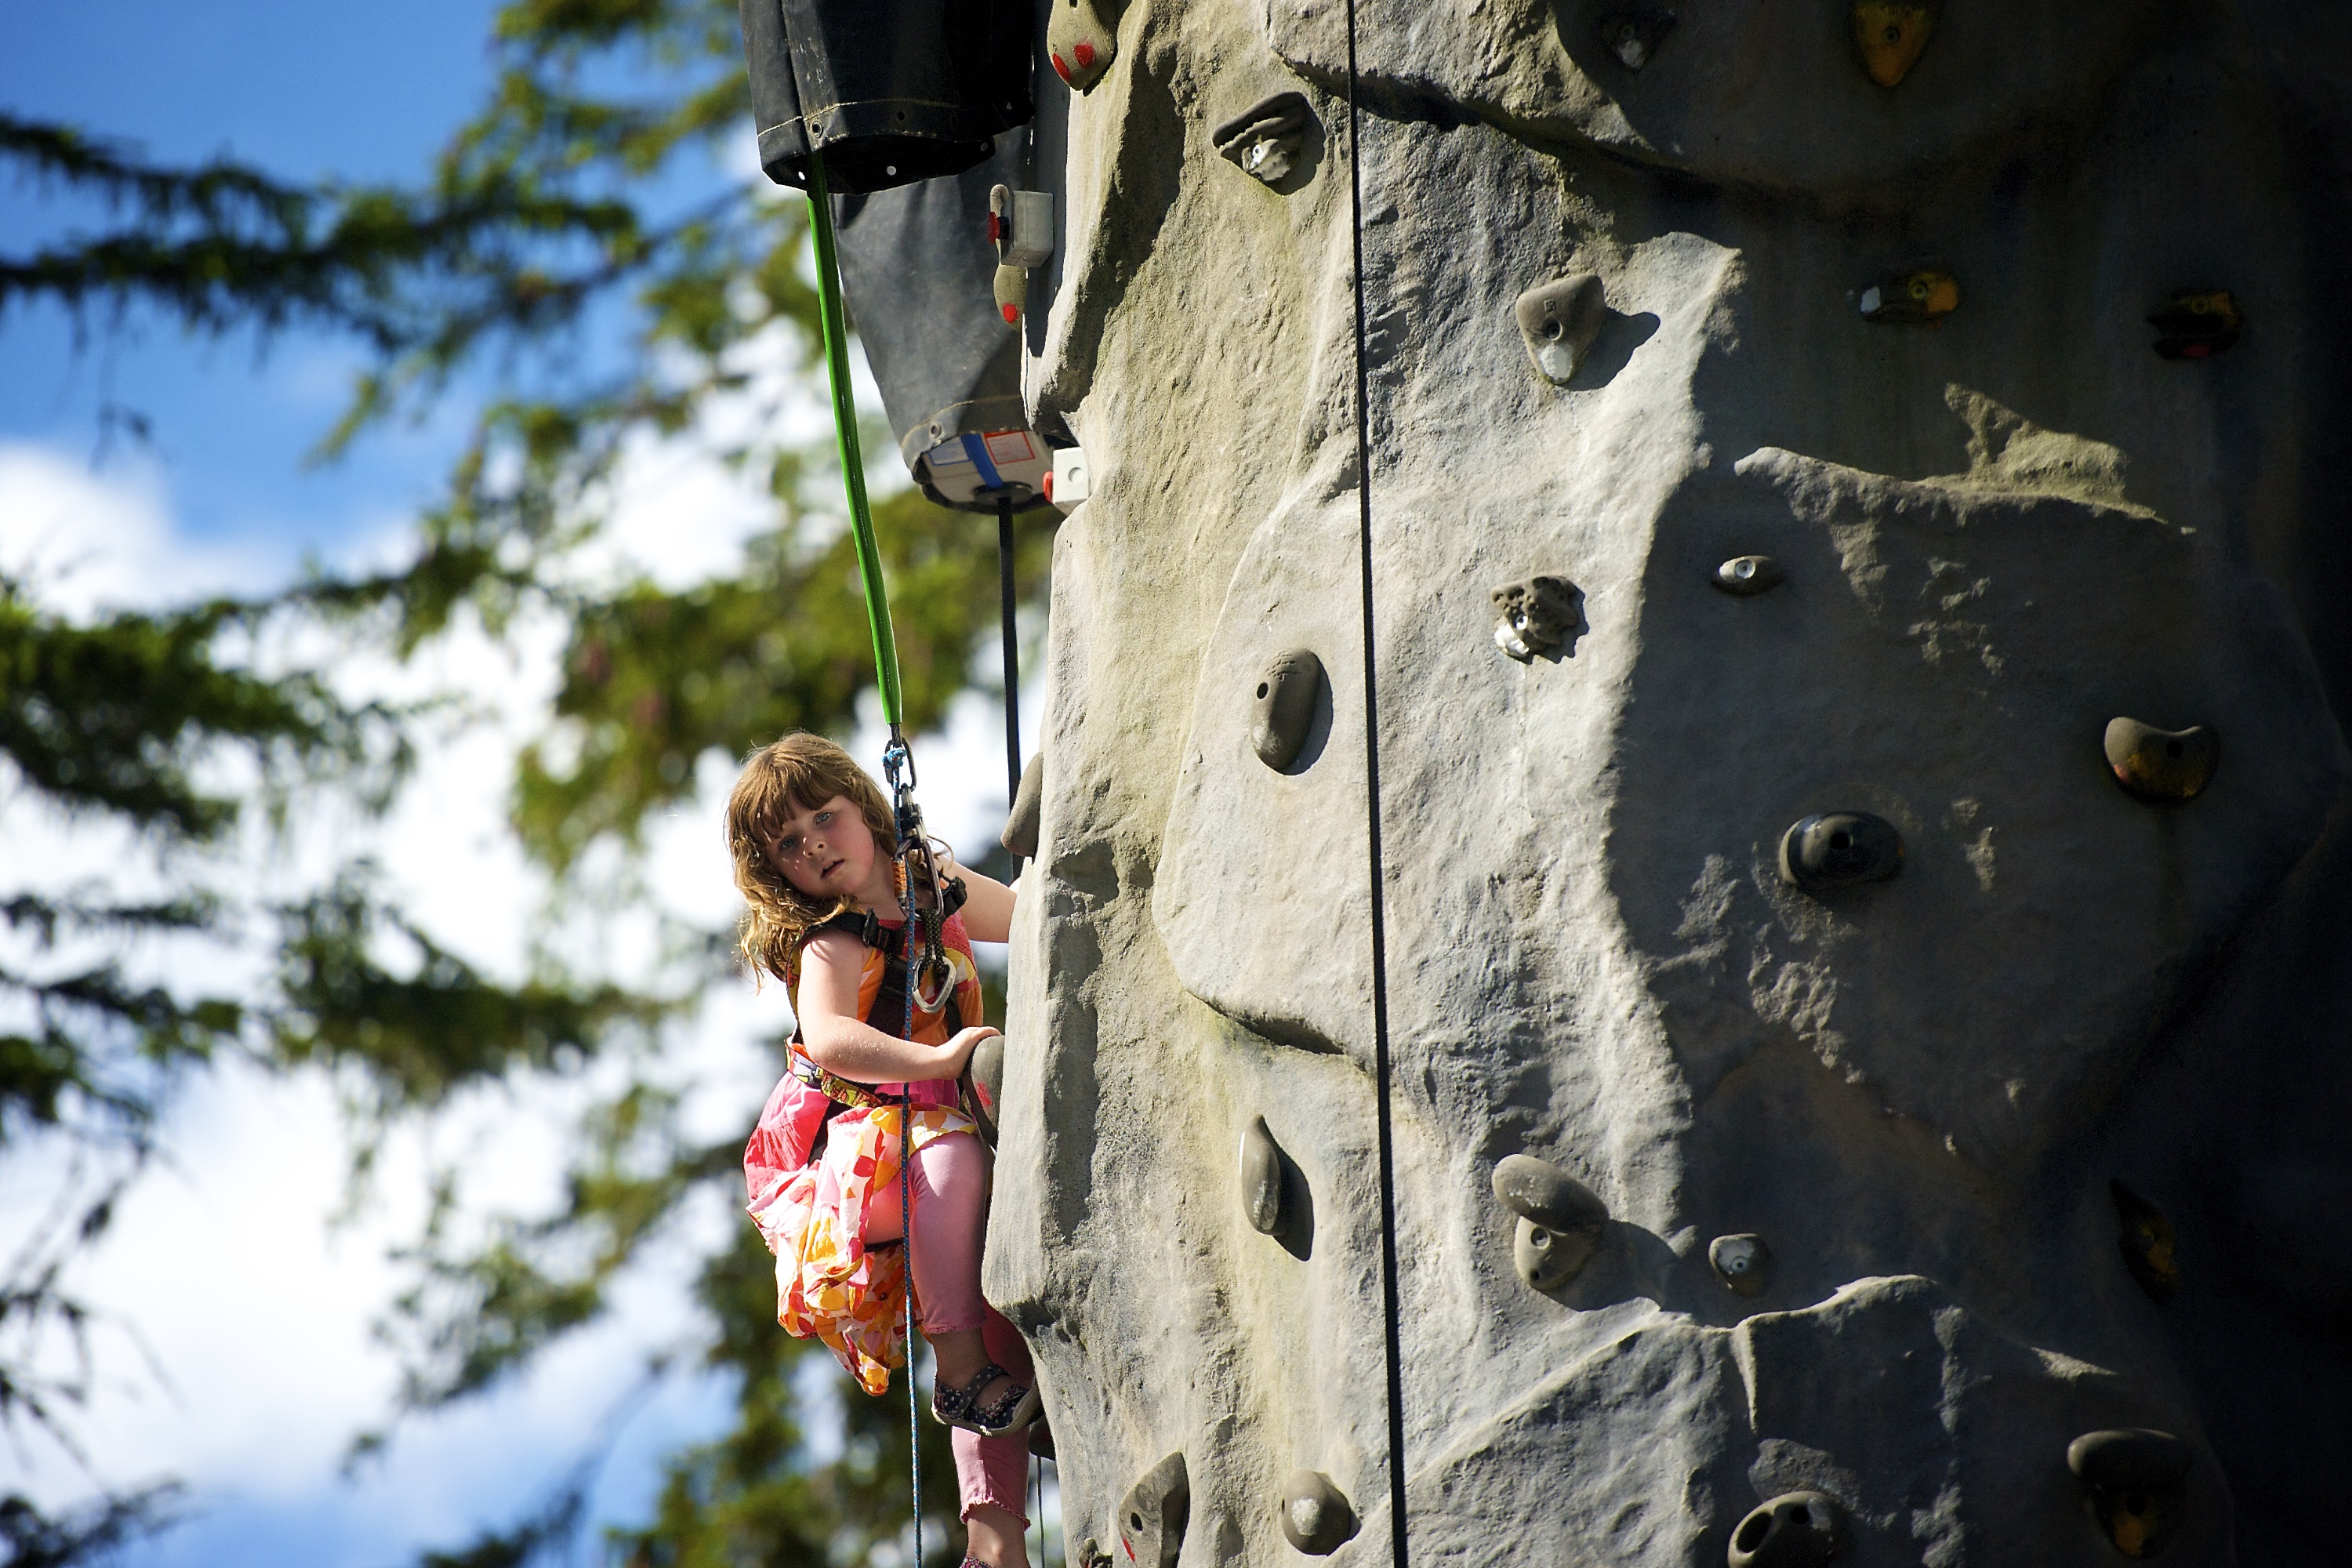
(224, 1265)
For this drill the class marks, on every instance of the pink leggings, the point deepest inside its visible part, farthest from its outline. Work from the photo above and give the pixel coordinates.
(950, 1201)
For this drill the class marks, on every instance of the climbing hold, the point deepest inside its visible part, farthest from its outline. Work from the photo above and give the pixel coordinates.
(1924, 297)
(1560, 319)
(1839, 849)
(1560, 1221)
(1795, 1530)
(1285, 702)
(1261, 1177)
(2131, 1478)
(1317, 1516)
(1540, 616)
(1092, 1555)
(1041, 1438)
(2197, 323)
(1748, 575)
(2161, 764)
(1153, 1513)
(1011, 287)
(1078, 44)
(1742, 1262)
(1634, 37)
(984, 1070)
(1891, 33)
(1263, 141)
(1020, 835)
(2151, 1247)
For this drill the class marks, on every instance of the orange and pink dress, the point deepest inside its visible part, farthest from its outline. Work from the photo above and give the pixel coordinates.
(809, 1196)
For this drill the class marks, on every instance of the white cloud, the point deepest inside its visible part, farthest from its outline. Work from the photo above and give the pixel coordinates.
(89, 542)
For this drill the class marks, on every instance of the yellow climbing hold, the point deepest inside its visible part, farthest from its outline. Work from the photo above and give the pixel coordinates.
(1891, 34)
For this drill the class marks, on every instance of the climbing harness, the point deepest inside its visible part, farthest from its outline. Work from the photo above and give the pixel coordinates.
(1393, 1347)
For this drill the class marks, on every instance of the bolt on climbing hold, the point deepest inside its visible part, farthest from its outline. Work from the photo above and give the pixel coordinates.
(1795, 1530)
(1634, 37)
(1317, 1516)
(1922, 297)
(1078, 44)
(1021, 227)
(1748, 575)
(1261, 1165)
(2197, 323)
(2151, 1247)
(1539, 615)
(1743, 1262)
(1890, 34)
(1285, 707)
(2132, 1483)
(1560, 319)
(1561, 1223)
(1153, 1513)
(1263, 141)
(1838, 850)
(2161, 766)
(1020, 835)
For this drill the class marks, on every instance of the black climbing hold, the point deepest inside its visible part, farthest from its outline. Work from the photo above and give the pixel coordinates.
(1923, 296)
(1561, 1223)
(1020, 835)
(1153, 1513)
(1633, 36)
(1285, 711)
(1560, 319)
(1317, 1516)
(1078, 44)
(2197, 323)
(1747, 574)
(1743, 1262)
(1263, 141)
(1041, 1438)
(1839, 849)
(1795, 1530)
(1540, 616)
(1261, 1177)
(2163, 766)
(2132, 1480)
(1890, 34)
(2151, 1248)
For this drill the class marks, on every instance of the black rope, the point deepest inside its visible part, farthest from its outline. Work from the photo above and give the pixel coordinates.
(909, 821)
(1392, 1346)
(1012, 654)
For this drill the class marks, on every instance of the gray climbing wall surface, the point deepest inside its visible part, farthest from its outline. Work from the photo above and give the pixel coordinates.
(1861, 716)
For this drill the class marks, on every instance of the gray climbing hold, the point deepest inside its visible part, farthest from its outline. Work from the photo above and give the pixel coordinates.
(1540, 616)
(1153, 1513)
(1634, 37)
(1795, 1530)
(1561, 1223)
(1263, 141)
(2131, 1477)
(1839, 849)
(1746, 575)
(2151, 1248)
(1261, 1177)
(1285, 709)
(1317, 1516)
(1079, 44)
(1743, 1262)
(1020, 835)
(2163, 766)
(985, 1068)
(1560, 319)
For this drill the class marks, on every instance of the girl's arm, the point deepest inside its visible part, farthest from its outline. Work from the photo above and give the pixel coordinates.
(839, 1041)
(987, 902)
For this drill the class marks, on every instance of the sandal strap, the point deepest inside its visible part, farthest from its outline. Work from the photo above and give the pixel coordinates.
(1000, 1410)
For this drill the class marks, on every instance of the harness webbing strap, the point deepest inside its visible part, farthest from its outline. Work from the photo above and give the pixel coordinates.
(1392, 1346)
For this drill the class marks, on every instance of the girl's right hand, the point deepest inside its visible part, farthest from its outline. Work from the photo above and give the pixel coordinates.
(959, 1049)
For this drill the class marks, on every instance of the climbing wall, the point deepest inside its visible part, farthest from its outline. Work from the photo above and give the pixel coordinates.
(1858, 542)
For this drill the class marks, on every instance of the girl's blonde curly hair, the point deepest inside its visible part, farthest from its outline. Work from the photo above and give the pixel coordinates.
(801, 771)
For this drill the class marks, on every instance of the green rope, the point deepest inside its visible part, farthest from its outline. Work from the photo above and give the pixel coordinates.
(845, 432)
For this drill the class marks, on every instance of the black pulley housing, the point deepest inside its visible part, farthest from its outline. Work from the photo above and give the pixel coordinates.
(891, 91)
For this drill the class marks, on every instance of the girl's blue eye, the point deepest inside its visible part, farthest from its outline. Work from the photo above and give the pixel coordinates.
(823, 818)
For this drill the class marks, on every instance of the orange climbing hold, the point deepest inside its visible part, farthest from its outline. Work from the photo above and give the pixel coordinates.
(1891, 34)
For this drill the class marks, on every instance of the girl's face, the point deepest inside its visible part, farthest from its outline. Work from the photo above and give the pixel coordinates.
(827, 852)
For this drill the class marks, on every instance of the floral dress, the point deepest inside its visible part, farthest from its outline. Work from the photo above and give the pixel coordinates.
(812, 1209)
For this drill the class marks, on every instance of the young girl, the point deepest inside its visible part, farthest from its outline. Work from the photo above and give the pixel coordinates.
(811, 837)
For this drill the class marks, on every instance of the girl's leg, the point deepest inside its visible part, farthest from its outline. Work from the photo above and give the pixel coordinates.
(951, 1200)
(992, 1473)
